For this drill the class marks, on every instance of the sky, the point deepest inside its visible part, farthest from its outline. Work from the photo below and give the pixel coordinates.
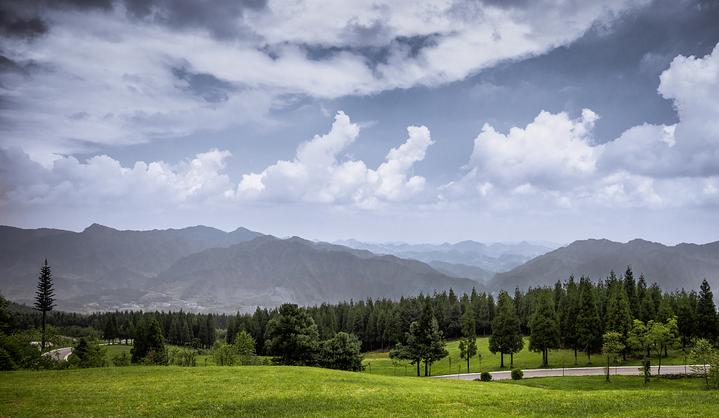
(409, 121)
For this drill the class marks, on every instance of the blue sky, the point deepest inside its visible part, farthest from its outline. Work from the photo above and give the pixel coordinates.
(422, 122)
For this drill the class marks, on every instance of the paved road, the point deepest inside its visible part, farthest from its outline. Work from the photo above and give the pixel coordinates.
(575, 371)
(59, 353)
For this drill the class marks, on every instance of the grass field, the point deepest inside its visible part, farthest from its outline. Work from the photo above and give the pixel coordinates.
(301, 391)
(380, 363)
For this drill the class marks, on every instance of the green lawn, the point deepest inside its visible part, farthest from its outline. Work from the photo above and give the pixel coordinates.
(302, 391)
(380, 363)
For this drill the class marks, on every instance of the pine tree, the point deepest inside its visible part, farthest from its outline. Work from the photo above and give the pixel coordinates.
(292, 336)
(686, 317)
(589, 332)
(544, 328)
(568, 317)
(619, 315)
(706, 314)
(630, 287)
(44, 298)
(506, 335)
(468, 343)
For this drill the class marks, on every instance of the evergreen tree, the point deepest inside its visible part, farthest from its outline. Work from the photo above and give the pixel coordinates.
(686, 306)
(468, 343)
(544, 328)
(619, 316)
(589, 332)
(110, 332)
(665, 311)
(568, 317)
(706, 314)
(341, 352)
(292, 336)
(506, 336)
(44, 298)
(630, 287)
(149, 344)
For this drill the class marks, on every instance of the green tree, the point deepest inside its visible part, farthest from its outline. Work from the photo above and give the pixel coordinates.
(292, 336)
(506, 337)
(706, 314)
(413, 349)
(661, 337)
(244, 344)
(619, 314)
(589, 331)
(148, 345)
(88, 353)
(638, 338)
(44, 298)
(341, 352)
(110, 331)
(437, 348)
(569, 307)
(468, 343)
(630, 288)
(544, 327)
(224, 354)
(611, 348)
(701, 356)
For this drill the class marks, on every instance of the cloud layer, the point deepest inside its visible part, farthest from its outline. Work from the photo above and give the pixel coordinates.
(90, 74)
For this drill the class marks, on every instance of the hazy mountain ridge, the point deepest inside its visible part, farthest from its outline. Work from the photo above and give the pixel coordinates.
(272, 271)
(493, 257)
(672, 267)
(99, 260)
(201, 267)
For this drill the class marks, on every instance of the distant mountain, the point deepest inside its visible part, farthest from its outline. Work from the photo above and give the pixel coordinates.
(494, 257)
(462, 270)
(199, 268)
(269, 270)
(672, 267)
(100, 260)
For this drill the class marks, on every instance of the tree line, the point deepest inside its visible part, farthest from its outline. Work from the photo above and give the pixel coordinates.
(574, 314)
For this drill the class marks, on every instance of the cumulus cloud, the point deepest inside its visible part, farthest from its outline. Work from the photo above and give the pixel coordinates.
(554, 157)
(547, 151)
(318, 173)
(103, 181)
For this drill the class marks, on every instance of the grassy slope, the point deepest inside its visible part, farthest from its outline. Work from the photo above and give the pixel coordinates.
(381, 364)
(297, 391)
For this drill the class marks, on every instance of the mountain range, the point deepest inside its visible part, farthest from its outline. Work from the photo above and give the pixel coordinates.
(486, 258)
(202, 268)
(672, 267)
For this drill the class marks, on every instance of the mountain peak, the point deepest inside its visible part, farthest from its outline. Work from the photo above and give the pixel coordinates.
(95, 228)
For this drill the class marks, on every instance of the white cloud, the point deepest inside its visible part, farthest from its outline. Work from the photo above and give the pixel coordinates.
(318, 173)
(549, 151)
(102, 181)
(554, 161)
(102, 78)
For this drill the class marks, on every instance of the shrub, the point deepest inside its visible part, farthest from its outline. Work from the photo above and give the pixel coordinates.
(485, 377)
(87, 353)
(224, 354)
(6, 362)
(517, 374)
(121, 359)
(180, 357)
